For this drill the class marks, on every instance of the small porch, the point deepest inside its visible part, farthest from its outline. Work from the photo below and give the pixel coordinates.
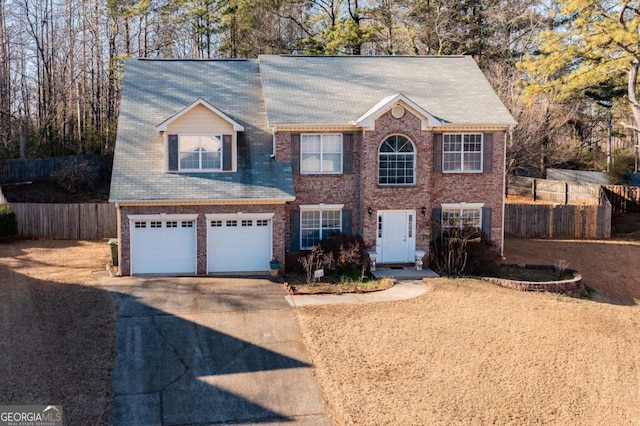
(403, 272)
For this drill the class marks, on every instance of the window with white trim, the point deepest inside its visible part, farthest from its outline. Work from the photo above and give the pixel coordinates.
(321, 153)
(396, 161)
(316, 225)
(462, 152)
(200, 152)
(462, 216)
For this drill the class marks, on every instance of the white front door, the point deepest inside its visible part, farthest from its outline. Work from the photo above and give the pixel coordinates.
(396, 242)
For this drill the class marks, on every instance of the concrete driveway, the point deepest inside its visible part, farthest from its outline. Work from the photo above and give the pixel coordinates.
(207, 351)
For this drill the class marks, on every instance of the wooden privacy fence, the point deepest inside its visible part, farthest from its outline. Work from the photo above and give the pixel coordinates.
(624, 199)
(28, 169)
(554, 191)
(560, 221)
(84, 221)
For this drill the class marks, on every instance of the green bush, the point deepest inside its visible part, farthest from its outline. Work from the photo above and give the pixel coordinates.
(8, 222)
(623, 164)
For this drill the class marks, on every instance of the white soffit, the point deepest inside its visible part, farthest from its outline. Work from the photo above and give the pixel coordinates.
(367, 119)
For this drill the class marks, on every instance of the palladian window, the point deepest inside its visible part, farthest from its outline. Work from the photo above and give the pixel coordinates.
(396, 160)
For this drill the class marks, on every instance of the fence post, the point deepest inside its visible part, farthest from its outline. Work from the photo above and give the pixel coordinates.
(534, 189)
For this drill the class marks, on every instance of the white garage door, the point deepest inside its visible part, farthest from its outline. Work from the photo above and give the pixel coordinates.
(163, 245)
(238, 244)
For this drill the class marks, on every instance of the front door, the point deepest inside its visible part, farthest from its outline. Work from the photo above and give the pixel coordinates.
(396, 242)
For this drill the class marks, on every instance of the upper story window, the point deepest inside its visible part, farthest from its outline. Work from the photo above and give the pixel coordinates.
(200, 152)
(462, 152)
(396, 160)
(321, 153)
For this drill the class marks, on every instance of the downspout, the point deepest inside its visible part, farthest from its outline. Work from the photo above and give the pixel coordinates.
(273, 142)
(508, 139)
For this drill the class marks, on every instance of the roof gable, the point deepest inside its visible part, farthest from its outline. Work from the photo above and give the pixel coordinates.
(385, 104)
(199, 101)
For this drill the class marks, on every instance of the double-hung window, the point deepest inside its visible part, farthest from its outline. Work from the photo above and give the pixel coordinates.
(321, 153)
(317, 224)
(200, 152)
(462, 152)
(462, 216)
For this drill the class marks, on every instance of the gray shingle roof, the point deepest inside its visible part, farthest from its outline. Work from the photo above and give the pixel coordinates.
(338, 89)
(154, 90)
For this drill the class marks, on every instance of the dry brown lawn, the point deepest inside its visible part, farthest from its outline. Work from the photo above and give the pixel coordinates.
(57, 331)
(469, 352)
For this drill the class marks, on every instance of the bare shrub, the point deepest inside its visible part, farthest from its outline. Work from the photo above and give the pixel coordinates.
(349, 252)
(560, 266)
(456, 251)
(77, 177)
(316, 259)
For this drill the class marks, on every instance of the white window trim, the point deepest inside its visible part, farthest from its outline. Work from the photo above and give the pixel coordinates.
(321, 208)
(161, 217)
(415, 162)
(444, 170)
(239, 216)
(322, 152)
(219, 136)
(460, 207)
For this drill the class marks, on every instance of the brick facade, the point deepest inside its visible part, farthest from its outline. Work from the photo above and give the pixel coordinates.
(360, 190)
(278, 227)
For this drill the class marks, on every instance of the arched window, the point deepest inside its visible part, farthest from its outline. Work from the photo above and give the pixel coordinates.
(396, 161)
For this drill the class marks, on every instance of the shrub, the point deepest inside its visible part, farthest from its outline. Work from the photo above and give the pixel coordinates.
(8, 222)
(463, 251)
(349, 252)
(316, 259)
(622, 164)
(484, 258)
(77, 177)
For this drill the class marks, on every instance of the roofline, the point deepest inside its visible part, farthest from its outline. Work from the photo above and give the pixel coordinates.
(208, 201)
(371, 56)
(492, 125)
(352, 126)
(199, 101)
(191, 59)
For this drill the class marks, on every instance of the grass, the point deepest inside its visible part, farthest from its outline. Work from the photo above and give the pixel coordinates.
(538, 274)
(469, 352)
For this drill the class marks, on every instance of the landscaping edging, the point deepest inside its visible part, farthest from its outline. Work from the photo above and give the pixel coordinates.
(288, 288)
(573, 286)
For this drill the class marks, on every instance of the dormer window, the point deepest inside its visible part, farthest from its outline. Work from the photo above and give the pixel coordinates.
(200, 152)
(200, 138)
(190, 153)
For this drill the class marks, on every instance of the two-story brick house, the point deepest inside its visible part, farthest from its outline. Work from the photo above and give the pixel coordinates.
(221, 165)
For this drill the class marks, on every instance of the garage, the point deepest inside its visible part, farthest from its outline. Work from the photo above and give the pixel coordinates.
(163, 244)
(239, 243)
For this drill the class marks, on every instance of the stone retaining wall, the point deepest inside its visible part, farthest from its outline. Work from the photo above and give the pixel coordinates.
(573, 286)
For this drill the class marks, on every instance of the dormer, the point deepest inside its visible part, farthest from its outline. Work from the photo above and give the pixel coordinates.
(398, 104)
(200, 138)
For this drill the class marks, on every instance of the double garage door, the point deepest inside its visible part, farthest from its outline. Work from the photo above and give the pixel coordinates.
(167, 244)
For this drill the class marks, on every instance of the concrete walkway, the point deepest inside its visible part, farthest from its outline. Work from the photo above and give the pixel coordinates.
(209, 351)
(404, 289)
